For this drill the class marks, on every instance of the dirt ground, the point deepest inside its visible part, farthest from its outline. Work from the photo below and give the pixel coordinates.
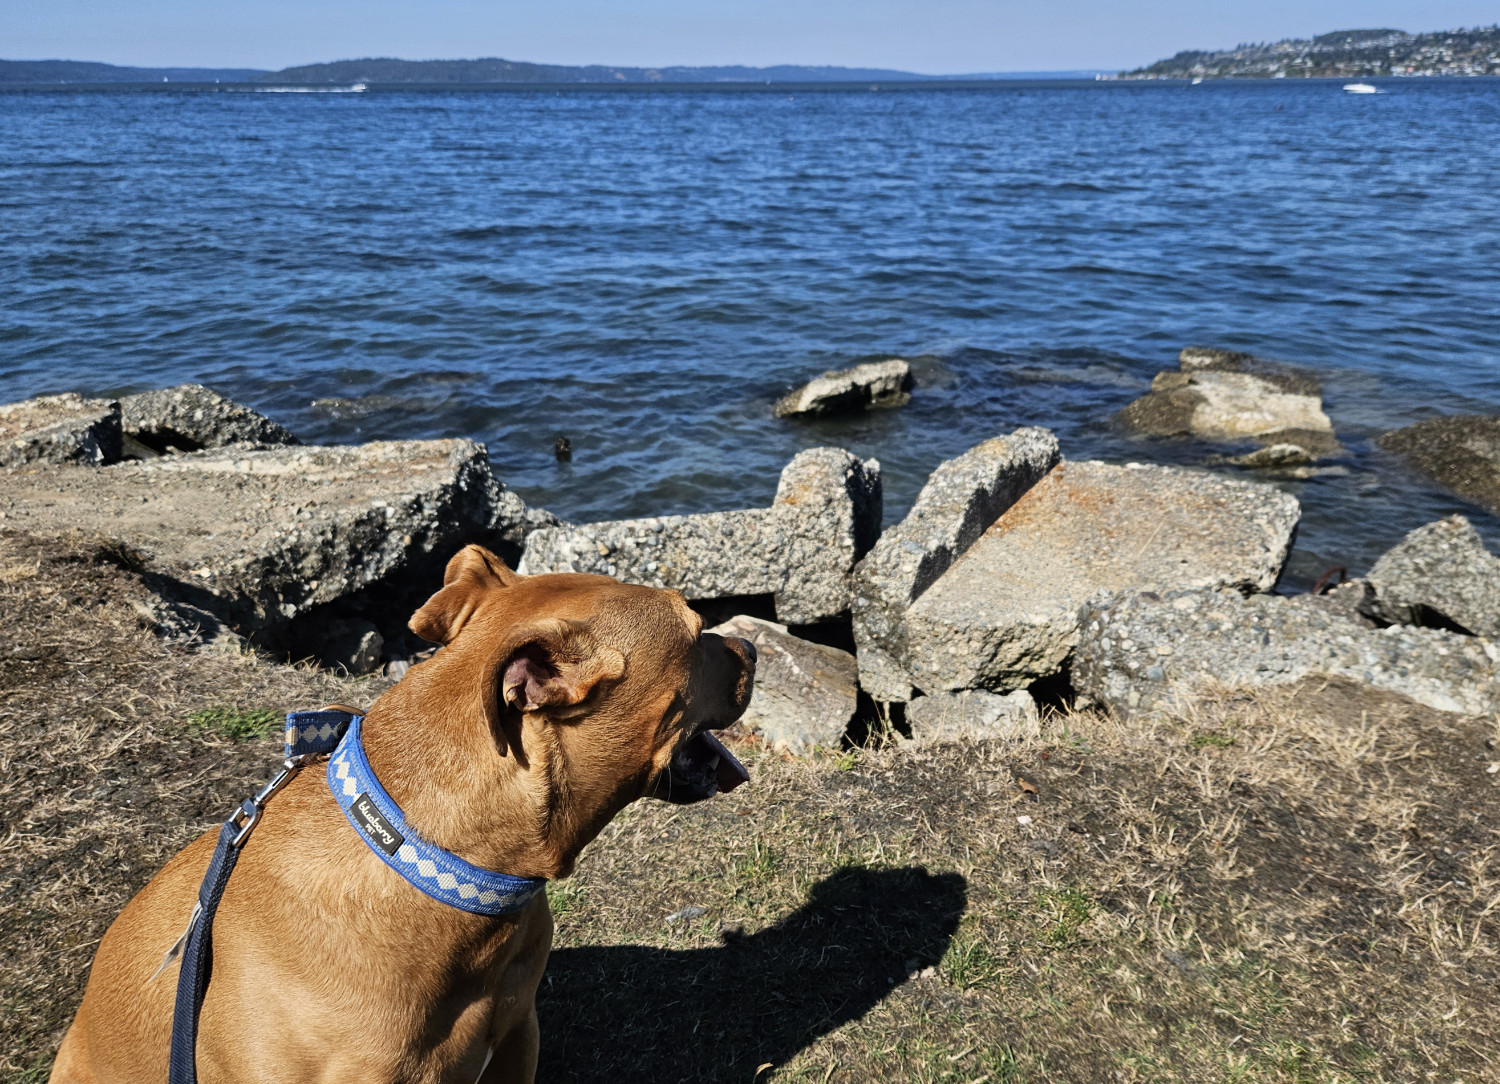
(1297, 885)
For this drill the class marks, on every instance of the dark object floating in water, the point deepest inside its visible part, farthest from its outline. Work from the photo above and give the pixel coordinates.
(562, 447)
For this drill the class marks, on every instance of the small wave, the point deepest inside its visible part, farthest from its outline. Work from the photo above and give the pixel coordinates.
(357, 88)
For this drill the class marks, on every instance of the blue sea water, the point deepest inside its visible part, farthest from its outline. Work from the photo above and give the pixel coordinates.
(646, 272)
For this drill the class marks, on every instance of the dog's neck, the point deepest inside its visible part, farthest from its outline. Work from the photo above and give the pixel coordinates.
(428, 744)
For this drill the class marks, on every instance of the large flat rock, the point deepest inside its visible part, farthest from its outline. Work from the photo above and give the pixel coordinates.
(805, 693)
(1006, 613)
(263, 536)
(63, 428)
(801, 550)
(962, 497)
(1461, 453)
(1439, 574)
(1141, 651)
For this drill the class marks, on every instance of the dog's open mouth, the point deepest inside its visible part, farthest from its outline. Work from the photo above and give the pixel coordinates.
(701, 768)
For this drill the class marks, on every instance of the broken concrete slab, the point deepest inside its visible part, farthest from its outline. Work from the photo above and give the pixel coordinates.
(1143, 650)
(863, 387)
(802, 549)
(262, 537)
(805, 693)
(973, 715)
(63, 428)
(962, 497)
(190, 417)
(1460, 453)
(1439, 575)
(1006, 613)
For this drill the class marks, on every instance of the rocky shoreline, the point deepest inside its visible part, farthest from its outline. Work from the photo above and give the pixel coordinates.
(1017, 576)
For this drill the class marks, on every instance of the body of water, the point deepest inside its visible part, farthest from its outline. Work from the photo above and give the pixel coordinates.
(646, 272)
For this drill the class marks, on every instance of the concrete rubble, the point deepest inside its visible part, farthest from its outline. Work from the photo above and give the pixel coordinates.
(1229, 396)
(874, 384)
(190, 417)
(1439, 575)
(962, 497)
(261, 537)
(801, 550)
(972, 715)
(63, 428)
(1005, 614)
(1461, 453)
(805, 693)
(1140, 651)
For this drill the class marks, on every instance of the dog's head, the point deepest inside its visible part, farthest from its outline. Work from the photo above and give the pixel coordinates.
(614, 687)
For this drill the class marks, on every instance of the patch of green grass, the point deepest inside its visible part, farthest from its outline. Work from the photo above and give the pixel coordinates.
(969, 962)
(237, 724)
(1207, 737)
(759, 866)
(565, 897)
(1002, 1063)
(1065, 910)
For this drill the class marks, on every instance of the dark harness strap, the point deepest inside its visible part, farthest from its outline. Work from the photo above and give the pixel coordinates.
(198, 959)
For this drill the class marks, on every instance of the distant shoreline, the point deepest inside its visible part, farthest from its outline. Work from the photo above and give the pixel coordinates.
(822, 86)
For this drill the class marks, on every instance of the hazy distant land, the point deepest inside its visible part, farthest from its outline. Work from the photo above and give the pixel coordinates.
(485, 70)
(1341, 54)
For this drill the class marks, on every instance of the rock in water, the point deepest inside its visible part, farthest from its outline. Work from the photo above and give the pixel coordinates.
(1225, 395)
(972, 715)
(1461, 453)
(263, 536)
(1144, 650)
(1286, 378)
(962, 497)
(802, 549)
(874, 384)
(1440, 575)
(63, 428)
(190, 417)
(1006, 613)
(805, 693)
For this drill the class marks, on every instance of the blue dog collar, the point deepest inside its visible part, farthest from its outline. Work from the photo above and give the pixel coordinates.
(433, 871)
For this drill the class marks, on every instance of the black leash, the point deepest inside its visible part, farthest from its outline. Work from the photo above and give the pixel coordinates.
(196, 944)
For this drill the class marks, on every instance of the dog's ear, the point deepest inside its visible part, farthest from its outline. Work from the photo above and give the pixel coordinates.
(556, 664)
(472, 571)
(551, 664)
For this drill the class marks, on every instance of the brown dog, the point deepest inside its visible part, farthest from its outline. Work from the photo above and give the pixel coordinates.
(556, 702)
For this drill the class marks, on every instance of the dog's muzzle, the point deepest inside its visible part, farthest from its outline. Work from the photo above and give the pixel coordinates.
(702, 766)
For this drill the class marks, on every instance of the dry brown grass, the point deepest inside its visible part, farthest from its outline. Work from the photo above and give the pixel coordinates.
(1299, 885)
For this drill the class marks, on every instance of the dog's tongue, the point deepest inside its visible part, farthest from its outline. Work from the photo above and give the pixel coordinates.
(729, 772)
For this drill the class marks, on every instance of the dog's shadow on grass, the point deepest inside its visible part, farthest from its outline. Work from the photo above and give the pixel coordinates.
(628, 1013)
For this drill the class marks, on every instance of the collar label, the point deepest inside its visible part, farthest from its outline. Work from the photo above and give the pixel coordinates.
(368, 817)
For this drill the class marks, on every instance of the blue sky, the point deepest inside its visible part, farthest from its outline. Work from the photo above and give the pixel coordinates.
(920, 35)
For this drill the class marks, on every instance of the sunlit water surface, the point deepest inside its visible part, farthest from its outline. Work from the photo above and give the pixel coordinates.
(647, 272)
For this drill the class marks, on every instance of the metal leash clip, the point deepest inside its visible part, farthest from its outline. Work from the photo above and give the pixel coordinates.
(248, 815)
(245, 818)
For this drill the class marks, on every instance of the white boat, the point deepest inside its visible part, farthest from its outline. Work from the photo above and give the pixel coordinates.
(1360, 88)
